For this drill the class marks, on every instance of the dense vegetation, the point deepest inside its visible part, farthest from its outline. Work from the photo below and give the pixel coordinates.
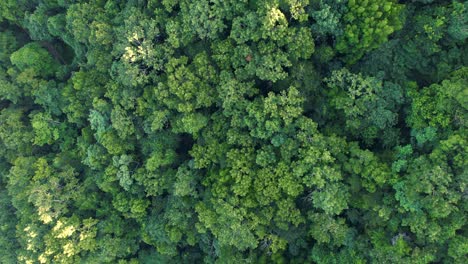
(233, 131)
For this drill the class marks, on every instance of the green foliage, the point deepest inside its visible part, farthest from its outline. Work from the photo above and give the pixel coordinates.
(8, 241)
(328, 16)
(45, 129)
(458, 25)
(426, 51)
(9, 44)
(9, 91)
(35, 58)
(367, 25)
(442, 106)
(368, 106)
(13, 10)
(233, 131)
(439, 110)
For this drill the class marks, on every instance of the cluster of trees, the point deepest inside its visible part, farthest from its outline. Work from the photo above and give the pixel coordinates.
(233, 131)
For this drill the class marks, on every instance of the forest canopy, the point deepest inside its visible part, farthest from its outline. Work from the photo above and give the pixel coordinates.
(233, 131)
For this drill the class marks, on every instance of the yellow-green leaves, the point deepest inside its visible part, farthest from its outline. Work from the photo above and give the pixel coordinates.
(35, 58)
(367, 25)
(46, 129)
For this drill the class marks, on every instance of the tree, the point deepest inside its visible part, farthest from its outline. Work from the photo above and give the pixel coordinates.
(368, 106)
(439, 108)
(32, 56)
(367, 24)
(46, 130)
